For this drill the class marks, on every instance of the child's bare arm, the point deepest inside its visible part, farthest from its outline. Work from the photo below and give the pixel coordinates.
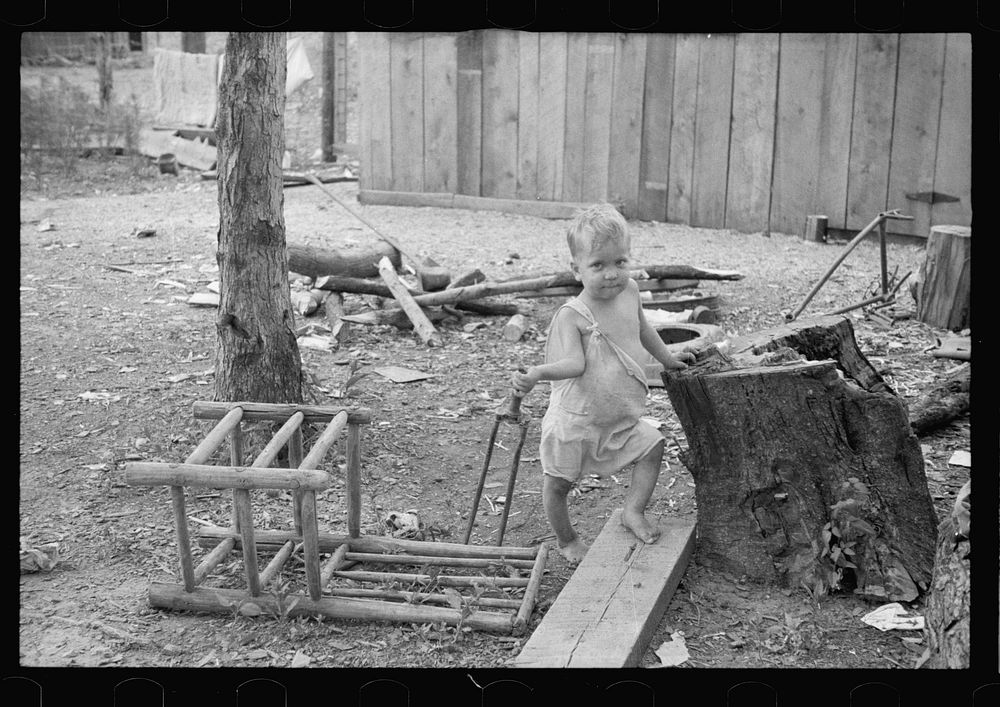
(565, 355)
(652, 342)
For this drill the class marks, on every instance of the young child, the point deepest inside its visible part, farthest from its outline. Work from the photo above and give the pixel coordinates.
(593, 425)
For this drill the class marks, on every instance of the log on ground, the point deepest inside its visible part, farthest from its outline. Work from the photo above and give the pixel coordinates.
(943, 402)
(350, 261)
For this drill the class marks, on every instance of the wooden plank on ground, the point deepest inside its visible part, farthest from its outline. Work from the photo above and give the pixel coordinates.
(577, 45)
(654, 161)
(597, 116)
(711, 144)
(189, 153)
(551, 114)
(606, 613)
(440, 113)
(626, 121)
(527, 115)
(407, 68)
(835, 128)
(953, 170)
(751, 147)
(525, 207)
(470, 111)
(682, 130)
(374, 121)
(871, 130)
(500, 54)
(915, 129)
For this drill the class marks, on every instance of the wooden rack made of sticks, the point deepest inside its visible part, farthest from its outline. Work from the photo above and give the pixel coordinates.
(425, 593)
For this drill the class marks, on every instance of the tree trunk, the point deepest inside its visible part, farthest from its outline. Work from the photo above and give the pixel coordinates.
(805, 474)
(105, 82)
(193, 42)
(946, 616)
(358, 262)
(944, 281)
(942, 402)
(257, 357)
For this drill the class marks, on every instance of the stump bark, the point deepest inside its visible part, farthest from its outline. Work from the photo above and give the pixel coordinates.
(944, 289)
(806, 470)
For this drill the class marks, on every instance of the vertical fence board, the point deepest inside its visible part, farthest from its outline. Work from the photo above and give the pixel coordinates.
(915, 120)
(835, 126)
(469, 56)
(871, 130)
(341, 80)
(527, 111)
(953, 170)
(711, 143)
(374, 124)
(796, 148)
(654, 162)
(406, 87)
(751, 148)
(597, 116)
(683, 129)
(440, 113)
(551, 114)
(500, 60)
(626, 121)
(576, 87)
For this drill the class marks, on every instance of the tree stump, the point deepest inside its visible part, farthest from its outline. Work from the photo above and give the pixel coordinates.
(942, 402)
(943, 292)
(806, 470)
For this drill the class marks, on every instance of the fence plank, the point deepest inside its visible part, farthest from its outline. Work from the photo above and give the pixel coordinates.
(953, 170)
(796, 152)
(871, 131)
(527, 112)
(375, 106)
(470, 111)
(834, 139)
(551, 114)
(654, 162)
(626, 121)
(711, 144)
(915, 123)
(597, 116)
(751, 147)
(440, 113)
(499, 177)
(682, 133)
(406, 66)
(576, 86)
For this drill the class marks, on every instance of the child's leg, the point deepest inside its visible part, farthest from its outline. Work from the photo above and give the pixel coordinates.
(554, 490)
(647, 469)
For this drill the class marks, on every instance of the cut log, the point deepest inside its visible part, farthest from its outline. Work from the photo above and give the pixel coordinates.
(943, 293)
(515, 328)
(473, 277)
(566, 278)
(393, 317)
(805, 475)
(308, 301)
(431, 276)
(421, 324)
(360, 261)
(946, 615)
(815, 229)
(942, 402)
(340, 331)
(665, 285)
(362, 286)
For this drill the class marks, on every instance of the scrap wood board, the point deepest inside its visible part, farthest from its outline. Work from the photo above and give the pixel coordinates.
(606, 614)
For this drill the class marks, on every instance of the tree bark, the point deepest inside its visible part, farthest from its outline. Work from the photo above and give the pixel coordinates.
(944, 281)
(805, 475)
(105, 78)
(942, 402)
(257, 357)
(354, 262)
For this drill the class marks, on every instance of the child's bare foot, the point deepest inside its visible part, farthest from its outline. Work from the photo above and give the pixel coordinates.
(574, 551)
(640, 526)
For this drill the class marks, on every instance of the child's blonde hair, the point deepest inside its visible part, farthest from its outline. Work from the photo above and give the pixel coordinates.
(602, 222)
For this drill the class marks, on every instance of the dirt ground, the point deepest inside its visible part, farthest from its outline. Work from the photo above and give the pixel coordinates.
(112, 358)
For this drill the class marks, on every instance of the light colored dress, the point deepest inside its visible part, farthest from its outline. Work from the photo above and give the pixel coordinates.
(593, 425)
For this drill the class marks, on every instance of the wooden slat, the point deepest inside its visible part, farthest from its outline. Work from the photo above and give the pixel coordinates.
(915, 128)
(751, 146)
(551, 114)
(440, 113)
(540, 209)
(576, 87)
(212, 559)
(374, 124)
(626, 121)
(279, 412)
(796, 155)
(406, 109)
(244, 511)
(654, 164)
(607, 612)
(310, 544)
(597, 116)
(276, 563)
(531, 591)
(332, 564)
(953, 169)
(470, 111)
(711, 144)
(229, 424)
(183, 537)
(683, 129)
(527, 115)
(419, 597)
(278, 441)
(327, 438)
(223, 477)
(295, 452)
(407, 559)
(354, 480)
(499, 175)
(834, 138)
(871, 130)
(445, 580)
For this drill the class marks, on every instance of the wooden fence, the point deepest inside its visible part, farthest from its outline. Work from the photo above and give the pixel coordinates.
(751, 132)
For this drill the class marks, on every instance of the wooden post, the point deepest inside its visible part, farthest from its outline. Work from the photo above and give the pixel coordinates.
(310, 544)
(815, 229)
(294, 461)
(236, 459)
(183, 539)
(943, 291)
(276, 563)
(354, 480)
(329, 97)
(245, 513)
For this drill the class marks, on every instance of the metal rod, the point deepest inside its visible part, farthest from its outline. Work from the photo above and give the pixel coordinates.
(482, 479)
(882, 257)
(509, 499)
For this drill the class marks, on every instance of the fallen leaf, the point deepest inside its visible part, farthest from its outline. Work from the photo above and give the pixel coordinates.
(300, 660)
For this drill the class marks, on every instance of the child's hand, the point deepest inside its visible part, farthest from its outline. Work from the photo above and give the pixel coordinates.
(524, 382)
(679, 360)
